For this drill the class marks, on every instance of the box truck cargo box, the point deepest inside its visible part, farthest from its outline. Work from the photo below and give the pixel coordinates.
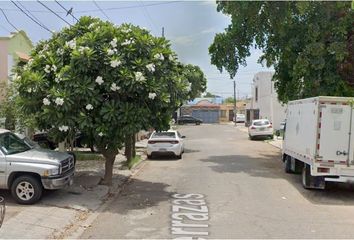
(319, 140)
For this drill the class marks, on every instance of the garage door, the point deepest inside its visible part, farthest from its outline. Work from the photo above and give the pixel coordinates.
(208, 116)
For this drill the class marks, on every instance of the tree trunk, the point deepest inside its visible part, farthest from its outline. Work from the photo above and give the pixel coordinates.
(128, 148)
(133, 145)
(110, 156)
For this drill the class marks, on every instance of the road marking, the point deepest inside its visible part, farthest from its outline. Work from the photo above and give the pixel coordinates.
(189, 215)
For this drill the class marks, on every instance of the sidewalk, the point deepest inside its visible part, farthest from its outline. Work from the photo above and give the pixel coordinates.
(58, 212)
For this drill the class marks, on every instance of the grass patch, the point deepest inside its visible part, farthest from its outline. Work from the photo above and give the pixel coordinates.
(87, 156)
(134, 161)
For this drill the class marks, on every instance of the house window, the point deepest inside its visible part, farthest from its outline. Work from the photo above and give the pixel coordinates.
(223, 113)
(256, 94)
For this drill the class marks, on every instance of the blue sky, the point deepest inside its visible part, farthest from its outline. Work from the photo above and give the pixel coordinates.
(189, 25)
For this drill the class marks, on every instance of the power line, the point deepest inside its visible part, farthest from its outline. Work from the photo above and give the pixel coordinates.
(104, 9)
(147, 15)
(101, 10)
(42, 26)
(53, 12)
(8, 19)
(67, 11)
(22, 6)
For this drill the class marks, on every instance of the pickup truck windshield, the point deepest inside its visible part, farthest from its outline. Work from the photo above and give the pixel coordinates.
(11, 144)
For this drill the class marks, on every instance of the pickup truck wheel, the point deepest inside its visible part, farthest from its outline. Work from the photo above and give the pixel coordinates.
(26, 189)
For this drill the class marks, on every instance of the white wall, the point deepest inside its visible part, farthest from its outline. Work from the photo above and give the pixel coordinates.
(267, 101)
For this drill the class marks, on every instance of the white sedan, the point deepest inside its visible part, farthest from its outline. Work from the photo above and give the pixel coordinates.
(165, 143)
(260, 128)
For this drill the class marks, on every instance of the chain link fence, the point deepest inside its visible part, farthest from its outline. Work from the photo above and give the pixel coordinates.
(2, 210)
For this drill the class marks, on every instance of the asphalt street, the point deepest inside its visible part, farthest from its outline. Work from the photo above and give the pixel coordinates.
(232, 187)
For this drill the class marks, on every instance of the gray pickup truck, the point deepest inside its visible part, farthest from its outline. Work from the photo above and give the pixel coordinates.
(26, 169)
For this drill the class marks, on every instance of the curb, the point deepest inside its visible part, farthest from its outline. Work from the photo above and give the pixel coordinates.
(77, 231)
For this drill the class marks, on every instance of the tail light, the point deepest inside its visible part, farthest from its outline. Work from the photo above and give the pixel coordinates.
(270, 126)
(323, 170)
(174, 142)
(151, 142)
(253, 127)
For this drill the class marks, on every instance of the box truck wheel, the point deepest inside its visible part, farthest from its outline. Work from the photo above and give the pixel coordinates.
(287, 164)
(306, 176)
(309, 181)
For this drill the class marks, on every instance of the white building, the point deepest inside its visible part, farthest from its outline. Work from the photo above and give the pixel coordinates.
(265, 99)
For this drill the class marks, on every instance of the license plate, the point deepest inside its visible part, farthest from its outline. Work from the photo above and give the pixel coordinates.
(261, 129)
(162, 149)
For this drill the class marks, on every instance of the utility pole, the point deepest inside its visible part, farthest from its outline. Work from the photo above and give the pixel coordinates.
(163, 31)
(235, 114)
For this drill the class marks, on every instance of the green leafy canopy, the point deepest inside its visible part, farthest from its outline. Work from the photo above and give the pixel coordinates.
(104, 80)
(310, 44)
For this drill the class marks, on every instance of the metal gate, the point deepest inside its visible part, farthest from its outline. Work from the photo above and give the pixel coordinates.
(208, 116)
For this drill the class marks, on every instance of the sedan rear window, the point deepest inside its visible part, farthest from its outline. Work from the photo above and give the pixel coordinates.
(164, 135)
(261, 123)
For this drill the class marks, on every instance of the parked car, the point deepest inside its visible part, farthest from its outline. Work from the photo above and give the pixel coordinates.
(165, 143)
(189, 119)
(43, 139)
(260, 128)
(27, 170)
(240, 118)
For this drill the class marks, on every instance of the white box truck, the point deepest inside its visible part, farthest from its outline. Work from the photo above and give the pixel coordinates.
(319, 140)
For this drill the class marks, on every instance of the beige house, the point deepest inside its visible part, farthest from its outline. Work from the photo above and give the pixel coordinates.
(227, 110)
(13, 48)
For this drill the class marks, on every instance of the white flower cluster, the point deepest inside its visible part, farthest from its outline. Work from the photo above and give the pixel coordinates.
(63, 128)
(114, 87)
(139, 77)
(89, 107)
(159, 56)
(49, 68)
(83, 49)
(110, 52)
(151, 67)
(128, 42)
(59, 101)
(99, 80)
(30, 62)
(152, 96)
(114, 42)
(46, 101)
(71, 44)
(100, 134)
(126, 30)
(16, 77)
(30, 90)
(115, 63)
(60, 51)
(91, 25)
(58, 79)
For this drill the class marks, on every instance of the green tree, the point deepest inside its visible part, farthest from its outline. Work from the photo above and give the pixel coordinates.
(310, 44)
(103, 80)
(194, 79)
(229, 100)
(209, 95)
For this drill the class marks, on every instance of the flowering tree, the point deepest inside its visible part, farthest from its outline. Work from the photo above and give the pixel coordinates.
(104, 80)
